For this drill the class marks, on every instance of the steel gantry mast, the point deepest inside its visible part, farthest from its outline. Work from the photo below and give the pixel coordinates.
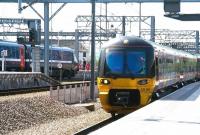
(84, 23)
(187, 40)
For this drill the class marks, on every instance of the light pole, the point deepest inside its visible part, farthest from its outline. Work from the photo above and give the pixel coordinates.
(92, 87)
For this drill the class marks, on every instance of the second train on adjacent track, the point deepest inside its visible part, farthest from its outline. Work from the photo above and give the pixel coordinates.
(132, 71)
(19, 58)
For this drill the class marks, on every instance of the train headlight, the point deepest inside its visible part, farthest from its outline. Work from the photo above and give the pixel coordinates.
(125, 42)
(105, 81)
(181, 76)
(142, 82)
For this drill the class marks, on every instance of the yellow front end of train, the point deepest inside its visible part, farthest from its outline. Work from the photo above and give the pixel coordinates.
(132, 71)
(125, 95)
(126, 74)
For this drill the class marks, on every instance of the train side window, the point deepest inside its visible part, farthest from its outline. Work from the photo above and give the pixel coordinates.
(84, 54)
(42, 54)
(67, 56)
(56, 55)
(15, 52)
(10, 53)
(1, 48)
(59, 54)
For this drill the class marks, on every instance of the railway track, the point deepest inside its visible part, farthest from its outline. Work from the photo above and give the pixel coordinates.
(23, 90)
(43, 88)
(98, 125)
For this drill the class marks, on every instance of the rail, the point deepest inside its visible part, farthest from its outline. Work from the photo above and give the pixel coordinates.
(23, 90)
(101, 124)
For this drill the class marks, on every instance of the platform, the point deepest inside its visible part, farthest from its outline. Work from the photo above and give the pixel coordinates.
(175, 114)
(20, 80)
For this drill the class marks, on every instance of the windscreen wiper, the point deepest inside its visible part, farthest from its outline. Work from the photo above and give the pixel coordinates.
(114, 76)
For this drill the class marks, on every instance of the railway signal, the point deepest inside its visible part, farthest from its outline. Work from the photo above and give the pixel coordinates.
(32, 36)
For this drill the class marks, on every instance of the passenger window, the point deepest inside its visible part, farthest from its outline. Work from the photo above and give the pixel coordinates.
(67, 56)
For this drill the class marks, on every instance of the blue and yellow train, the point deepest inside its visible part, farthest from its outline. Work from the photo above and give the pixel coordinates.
(132, 71)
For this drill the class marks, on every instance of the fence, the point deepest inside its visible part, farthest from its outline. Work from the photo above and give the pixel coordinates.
(72, 93)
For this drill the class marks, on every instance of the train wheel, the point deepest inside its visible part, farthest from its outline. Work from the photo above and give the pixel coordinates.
(155, 96)
(67, 74)
(113, 115)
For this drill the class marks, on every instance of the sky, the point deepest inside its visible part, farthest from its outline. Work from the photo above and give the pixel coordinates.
(64, 20)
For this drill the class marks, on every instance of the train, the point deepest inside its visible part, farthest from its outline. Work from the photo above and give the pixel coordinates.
(133, 71)
(19, 58)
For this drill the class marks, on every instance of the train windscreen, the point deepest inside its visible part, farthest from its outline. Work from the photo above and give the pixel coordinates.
(125, 62)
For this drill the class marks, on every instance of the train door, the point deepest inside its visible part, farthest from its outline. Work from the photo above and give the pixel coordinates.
(27, 57)
(22, 58)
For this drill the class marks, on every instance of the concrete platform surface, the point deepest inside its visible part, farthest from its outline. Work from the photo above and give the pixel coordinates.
(175, 114)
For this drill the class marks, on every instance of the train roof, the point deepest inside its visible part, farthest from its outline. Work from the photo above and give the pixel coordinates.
(55, 48)
(172, 51)
(10, 43)
(126, 41)
(136, 41)
(64, 48)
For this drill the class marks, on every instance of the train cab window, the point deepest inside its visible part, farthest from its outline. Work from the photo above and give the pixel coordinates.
(114, 62)
(125, 63)
(136, 62)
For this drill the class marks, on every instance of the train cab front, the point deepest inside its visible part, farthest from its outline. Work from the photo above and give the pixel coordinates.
(124, 95)
(125, 79)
